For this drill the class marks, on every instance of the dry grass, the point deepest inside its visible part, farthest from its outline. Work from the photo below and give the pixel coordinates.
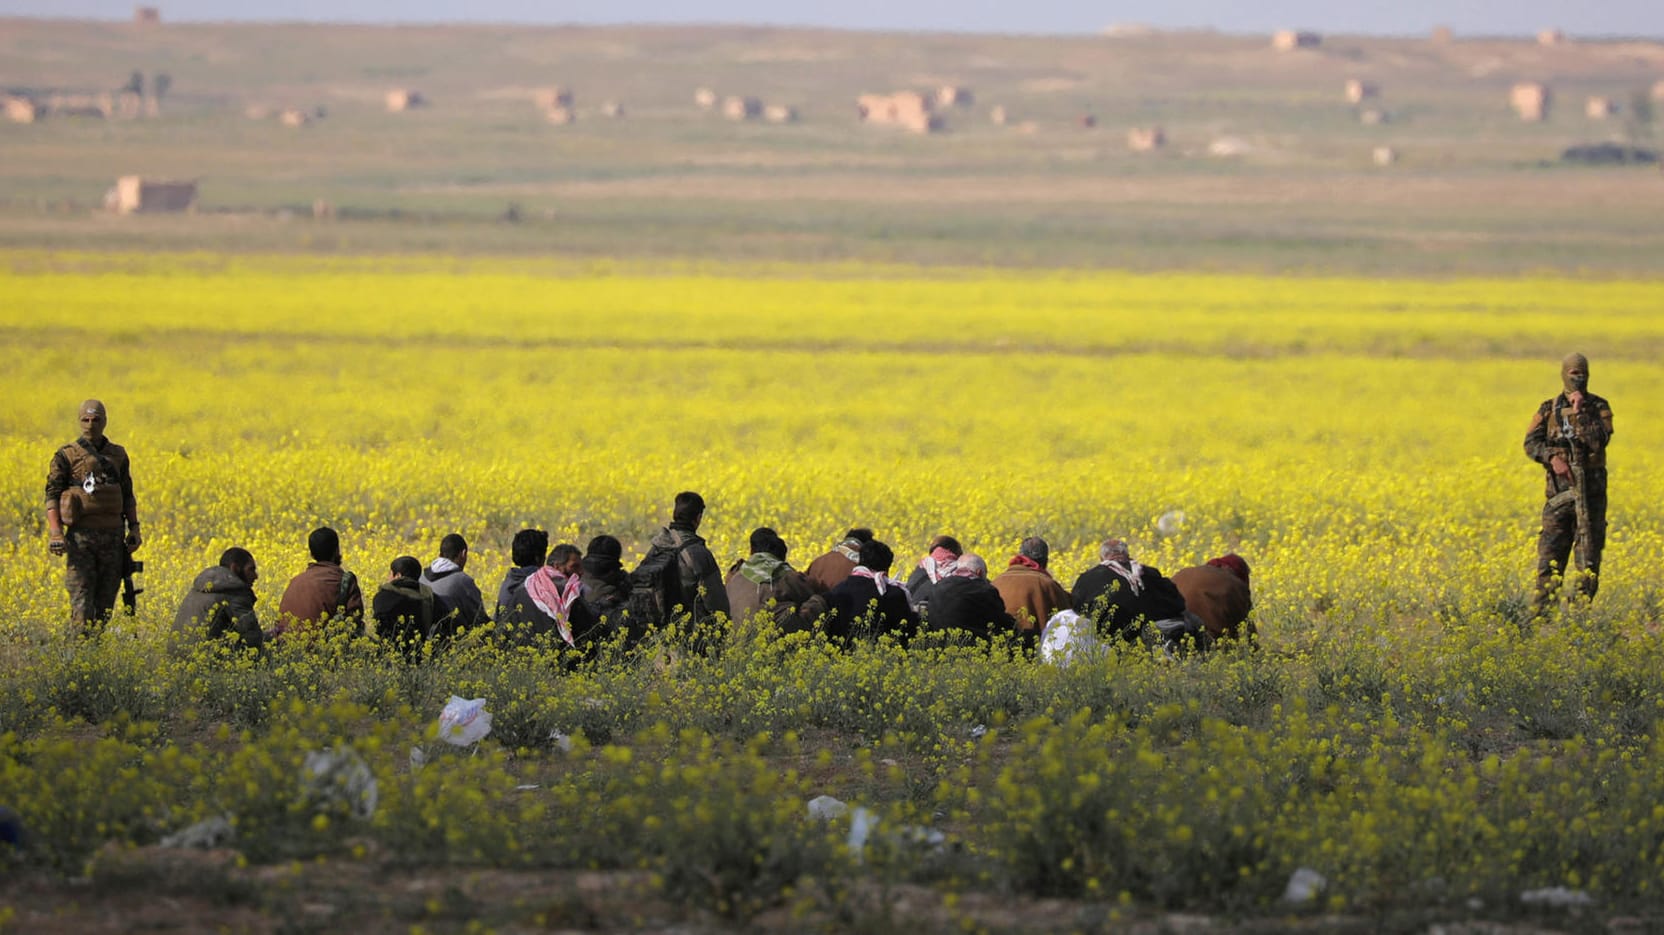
(1468, 172)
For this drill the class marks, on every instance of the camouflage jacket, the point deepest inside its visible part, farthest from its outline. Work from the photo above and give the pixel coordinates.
(1591, 428)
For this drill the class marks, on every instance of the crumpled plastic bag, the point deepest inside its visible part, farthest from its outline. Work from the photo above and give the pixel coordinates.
(1069, 637)
(339, 778)
(464, 721)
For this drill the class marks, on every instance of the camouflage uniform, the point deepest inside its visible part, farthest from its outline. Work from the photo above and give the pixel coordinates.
(1590, 431)
(95, 550)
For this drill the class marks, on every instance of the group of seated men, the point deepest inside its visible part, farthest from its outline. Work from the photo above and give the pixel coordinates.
(582, 597)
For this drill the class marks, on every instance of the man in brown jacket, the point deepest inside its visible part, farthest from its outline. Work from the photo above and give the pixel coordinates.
(1218, 593)
(830, 570)
(1031, 595)
(764, 582)
(323, 591)
(91, 516)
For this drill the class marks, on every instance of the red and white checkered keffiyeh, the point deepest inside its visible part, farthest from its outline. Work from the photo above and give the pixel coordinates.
(554, 596)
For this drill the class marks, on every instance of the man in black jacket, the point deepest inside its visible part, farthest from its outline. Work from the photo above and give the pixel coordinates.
(966, 600)
(1133, 601)
(528, 550)
(405, 608)
(869, 602)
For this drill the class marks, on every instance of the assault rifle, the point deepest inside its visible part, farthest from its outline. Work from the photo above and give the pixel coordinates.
(130, 589)
(1574, 457)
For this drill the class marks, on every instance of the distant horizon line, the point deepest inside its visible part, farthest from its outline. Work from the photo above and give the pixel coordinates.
(1110, 31)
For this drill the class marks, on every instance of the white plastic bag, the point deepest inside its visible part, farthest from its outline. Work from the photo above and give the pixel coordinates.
(464, 721)
(1069, 637)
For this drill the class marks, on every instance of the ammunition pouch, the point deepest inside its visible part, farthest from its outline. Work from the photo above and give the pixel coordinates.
(100, 509)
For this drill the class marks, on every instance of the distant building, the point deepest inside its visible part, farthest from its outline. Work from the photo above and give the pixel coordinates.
(1287, 40)
(1530, 100)
(135, 194)
(403, 99)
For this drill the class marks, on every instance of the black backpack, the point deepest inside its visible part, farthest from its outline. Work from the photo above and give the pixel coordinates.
(656, 588)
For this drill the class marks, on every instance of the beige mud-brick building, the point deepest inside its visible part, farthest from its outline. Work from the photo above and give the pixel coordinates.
(135, 194)
(1530, 100)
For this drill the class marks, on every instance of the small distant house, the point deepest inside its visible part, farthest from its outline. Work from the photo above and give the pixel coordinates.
(135, 194)
(21, 110)
(1550, 37)
(705, 98)
(742, 107)
(1146, 139)
(1358, 90)
(1530, 100)
(953, 95)
(1599, 108)
(403, 99)
(147, 16)
(780, 113)
(1287, 40)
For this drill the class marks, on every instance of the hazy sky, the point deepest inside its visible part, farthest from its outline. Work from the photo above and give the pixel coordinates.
(1489, 17)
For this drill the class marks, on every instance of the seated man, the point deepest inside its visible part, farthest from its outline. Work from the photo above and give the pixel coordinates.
(404, 608)
(764, 582)
(1126, 599)
(965, 600)
(460, 601)
(324, 591)
(869, 603)
(606, 589)
(830, 570)
(1031, 595)
(936, 565)
(528, 550)
(221, 601)
(1219, 594)
(548, 605)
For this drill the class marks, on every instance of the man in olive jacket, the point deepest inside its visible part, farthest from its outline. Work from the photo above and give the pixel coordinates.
(221, 601)
(764, 582)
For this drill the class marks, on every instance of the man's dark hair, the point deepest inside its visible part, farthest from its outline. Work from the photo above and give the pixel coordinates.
(406, 566)
(235, 557)
(605, 546)
(1036, 548)
(777, 548)
(529, 547)
(945, 541)
(859, 534)
(877, 556)
(689, 507)
(563, 553)
(452, 546)
(760, 538)
(324, 544)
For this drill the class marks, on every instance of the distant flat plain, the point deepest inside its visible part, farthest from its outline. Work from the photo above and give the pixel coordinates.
(1474, 190)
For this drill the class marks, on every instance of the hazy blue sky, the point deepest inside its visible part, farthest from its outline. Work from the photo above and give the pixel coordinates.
(1490, 17)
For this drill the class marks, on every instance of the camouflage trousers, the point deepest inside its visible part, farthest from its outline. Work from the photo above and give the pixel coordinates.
(1556, 543)
(93, 574)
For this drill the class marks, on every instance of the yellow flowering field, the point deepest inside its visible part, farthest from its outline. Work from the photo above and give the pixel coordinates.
(1402, 729)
